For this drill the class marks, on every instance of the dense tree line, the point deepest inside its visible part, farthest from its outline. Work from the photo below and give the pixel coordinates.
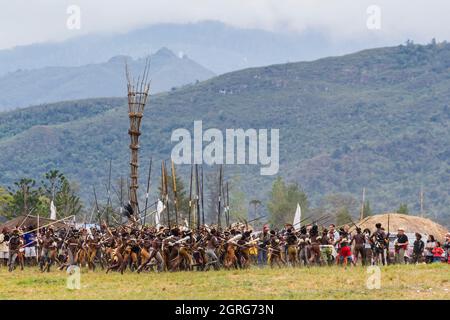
(26, 196)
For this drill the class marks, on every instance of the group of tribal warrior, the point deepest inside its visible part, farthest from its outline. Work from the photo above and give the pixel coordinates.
(141, 249)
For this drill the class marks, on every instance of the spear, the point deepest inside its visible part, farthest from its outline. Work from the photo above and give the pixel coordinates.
(121, 196)
(198, 194)
(148, 189)
(190, 195)
(163, 195)
(37, 239)
(356, 225)
(224, 203)
(175, 198)
(49, 224)
(320, 219)
(323, 219)
(128, 188)
(166, 192)
(326, 220)
(203, 208)
(228, 204)
(388, 242)
(362, 204)
(256, 219)
(96, 206)
(108, 204)
(121, 192)
(26, 217)
(116, 192)
(388, 221)
(148, 206)
(220, 197)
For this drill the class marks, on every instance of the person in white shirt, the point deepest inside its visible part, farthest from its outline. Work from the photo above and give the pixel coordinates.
(333, 233)
(4, 249)
(429, 246)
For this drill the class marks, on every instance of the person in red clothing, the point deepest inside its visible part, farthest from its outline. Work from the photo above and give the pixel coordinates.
(437, 252)
(345, 252)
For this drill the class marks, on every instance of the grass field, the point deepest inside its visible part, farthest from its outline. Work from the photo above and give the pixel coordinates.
(397, 282)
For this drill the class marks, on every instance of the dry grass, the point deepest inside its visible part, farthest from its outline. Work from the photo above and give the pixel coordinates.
(397, 282)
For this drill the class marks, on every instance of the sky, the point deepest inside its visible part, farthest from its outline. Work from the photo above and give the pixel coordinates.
(24, 22)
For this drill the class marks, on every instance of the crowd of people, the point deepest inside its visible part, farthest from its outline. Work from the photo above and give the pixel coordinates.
(144, 248)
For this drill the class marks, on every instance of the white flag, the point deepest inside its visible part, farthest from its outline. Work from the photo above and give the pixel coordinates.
(157, 219)
(297, 217)
(159, 209)
(52, 211)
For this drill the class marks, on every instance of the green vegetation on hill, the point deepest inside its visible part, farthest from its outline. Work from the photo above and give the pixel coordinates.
(15, 122)
(378, 119)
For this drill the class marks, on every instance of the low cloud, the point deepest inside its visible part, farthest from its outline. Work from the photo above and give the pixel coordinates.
(25, 22)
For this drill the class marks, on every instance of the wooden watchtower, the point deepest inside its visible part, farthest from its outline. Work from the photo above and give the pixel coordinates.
(137, 98)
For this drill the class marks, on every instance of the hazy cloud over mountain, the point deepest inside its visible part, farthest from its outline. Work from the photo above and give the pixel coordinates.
(107, 79)
(24, 22)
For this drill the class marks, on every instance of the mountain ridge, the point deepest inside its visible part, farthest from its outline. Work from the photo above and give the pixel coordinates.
(217, 46)
(107, 79)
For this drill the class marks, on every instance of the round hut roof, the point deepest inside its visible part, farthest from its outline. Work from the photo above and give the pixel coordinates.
(26, 221)
(411, 224)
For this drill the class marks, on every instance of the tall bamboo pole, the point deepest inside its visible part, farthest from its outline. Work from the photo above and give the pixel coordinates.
(109, 201)
(362, 204)
(121, 196)
(197, 186)
(190, 196)
(166, 193)
(202, 195)
(37, 240)
(421, 201)
(97, 207)
(148, 189)
(25, 198)
(228, 206)
(163, 193)
(174, 188)
(219, 207)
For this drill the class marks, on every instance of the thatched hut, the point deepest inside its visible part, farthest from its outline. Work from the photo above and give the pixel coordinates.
(27, 221)
(411, 224)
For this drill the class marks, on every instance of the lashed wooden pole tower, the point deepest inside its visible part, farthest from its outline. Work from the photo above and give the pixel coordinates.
(137, 98)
